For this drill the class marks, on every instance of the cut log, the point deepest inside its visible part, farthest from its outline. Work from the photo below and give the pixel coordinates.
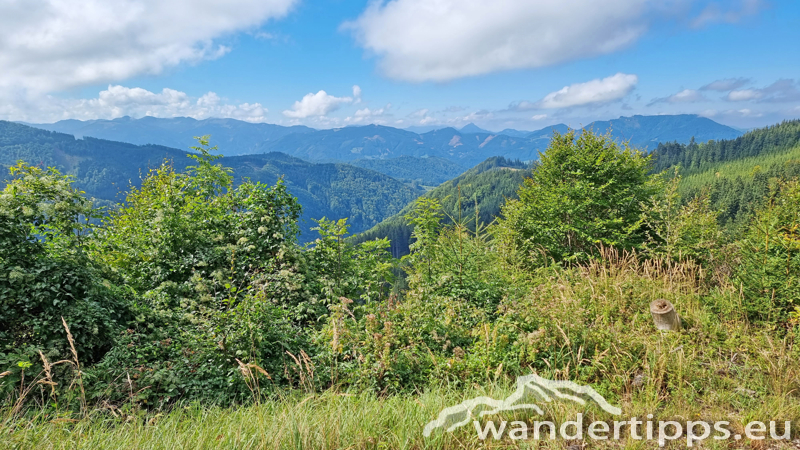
(664, 315)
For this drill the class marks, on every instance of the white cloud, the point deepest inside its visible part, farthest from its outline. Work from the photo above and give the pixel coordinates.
(453, 109)
(51, 45)
(420, 113)
(777, 92)
(366, 112)
(420, 40)
(748, 113)
(710, 113)
(356, 94)
(477, 116)
(737, 10)
(523, 105)
(595, 92)
(684, 96)
(744, 95)
(367, 115)
(539, 117)
(725, 85)
(317, 105)
(119, 101)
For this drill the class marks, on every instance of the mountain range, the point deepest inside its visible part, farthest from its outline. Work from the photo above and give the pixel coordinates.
(107, 169)
(467, 147)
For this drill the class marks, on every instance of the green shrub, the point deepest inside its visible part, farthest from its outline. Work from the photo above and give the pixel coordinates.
(587, 192)
(770, 269)
(216, 271)
(46, 275)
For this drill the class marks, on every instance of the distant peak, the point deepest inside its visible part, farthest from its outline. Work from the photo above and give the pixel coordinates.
(472, 128)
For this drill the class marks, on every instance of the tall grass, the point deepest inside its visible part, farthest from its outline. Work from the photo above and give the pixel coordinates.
(719, 367)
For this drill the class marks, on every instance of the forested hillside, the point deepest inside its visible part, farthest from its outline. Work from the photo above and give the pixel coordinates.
(431, 171)
(736, 175)
(698, 156)
(106, 170)
(486, 187)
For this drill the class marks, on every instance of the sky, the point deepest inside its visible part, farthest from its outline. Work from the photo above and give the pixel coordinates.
(402, 63)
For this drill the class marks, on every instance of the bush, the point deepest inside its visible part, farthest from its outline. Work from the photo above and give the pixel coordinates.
(770, 269)
(46, 274)
(681, 230)
(216, 273)
(587, 192)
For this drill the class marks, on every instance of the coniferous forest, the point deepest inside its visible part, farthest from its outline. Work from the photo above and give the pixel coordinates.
(193, 301)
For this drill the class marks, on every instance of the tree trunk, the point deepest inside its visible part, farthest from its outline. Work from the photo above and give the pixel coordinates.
(664, 315)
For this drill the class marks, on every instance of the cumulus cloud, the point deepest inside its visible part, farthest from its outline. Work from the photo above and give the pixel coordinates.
(317, 105)
(684, 96)
(51, 45)
(477, 116)
(367, 115)
(594, 92)
(778, 92)
(118, 101)
(725, 85)
(539, 117)
(420, 40)
(747, 113)
(727, 12)
(744, 95)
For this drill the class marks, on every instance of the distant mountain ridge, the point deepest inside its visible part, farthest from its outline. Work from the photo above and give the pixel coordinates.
(649, 131)
(234, 137)
(105, 170)
(466, 147)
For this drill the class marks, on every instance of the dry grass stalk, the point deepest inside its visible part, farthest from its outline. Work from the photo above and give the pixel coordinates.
(77, 365)
(251, 377)
(48, 375)
(305, 370)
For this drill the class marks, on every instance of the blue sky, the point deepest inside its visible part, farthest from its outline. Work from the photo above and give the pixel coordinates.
(499, 63)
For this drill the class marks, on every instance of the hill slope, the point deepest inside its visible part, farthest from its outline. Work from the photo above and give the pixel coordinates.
(486, 185)
(736, 174)
(426, 171)
(105, 169)
(645, 132)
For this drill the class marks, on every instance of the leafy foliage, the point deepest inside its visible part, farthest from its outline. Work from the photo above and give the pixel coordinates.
(681, 230)
(587, 192)
(770, 269)
(201, 291)
(209, 263)
(46, 273)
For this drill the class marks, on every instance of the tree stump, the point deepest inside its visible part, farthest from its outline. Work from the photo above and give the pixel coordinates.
(664, 315)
